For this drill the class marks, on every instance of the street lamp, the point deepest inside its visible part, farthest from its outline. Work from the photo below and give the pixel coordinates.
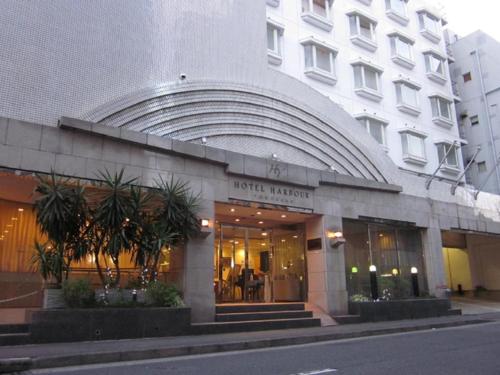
(373, 282)
(414, 281)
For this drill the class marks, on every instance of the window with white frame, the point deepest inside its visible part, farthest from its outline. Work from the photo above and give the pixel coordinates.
(362, 29)
(397, 6)
(441, 110)
(274, 43)
(375, 128)
(407, 97)
(447, 153)
(429, 26)
(319, 61)
(435, 65)
(413, 147)
(402, 50)
(317, 13)
(367, 81)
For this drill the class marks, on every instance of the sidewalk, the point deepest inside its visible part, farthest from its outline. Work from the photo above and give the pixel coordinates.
(15, 358)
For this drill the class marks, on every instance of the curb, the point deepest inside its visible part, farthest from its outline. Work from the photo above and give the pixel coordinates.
(22, 364)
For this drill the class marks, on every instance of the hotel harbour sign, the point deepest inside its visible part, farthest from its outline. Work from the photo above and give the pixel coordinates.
(280, 194)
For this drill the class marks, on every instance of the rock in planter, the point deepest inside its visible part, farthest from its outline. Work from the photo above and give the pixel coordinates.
(53, 298)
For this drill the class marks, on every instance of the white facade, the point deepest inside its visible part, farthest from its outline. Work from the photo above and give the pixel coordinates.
(477, 77)
(384, 62)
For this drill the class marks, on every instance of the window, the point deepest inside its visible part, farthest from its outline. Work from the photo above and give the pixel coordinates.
(413, 147)
(435, 66)
(396, 10)
(441, 111)
(474, 120)
(407, 97)
(319, 61)
(362, 28)
(448, 153)
(317, 13)
(274, 43)
(273, 3)
(467, 77)
(429, 26)
(375, 127)
(367, 81)
(401, 50)
(481, 166)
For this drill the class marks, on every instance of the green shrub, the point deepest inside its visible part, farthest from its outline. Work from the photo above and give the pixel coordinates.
(162, 295)
(78, 293)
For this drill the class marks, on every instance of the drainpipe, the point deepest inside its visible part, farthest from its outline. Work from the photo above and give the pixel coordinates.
(485, 100)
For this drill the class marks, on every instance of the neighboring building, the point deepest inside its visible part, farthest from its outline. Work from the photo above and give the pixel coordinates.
(185, 89)
(476, 73)
(385, 62)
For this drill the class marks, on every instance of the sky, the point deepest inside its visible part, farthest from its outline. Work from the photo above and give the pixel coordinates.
(463, 18)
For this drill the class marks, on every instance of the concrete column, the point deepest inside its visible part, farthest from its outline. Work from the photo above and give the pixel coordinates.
(433, 258)
(326, 267)
(199, 272)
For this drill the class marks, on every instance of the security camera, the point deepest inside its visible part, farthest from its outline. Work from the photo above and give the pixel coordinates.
(183, 76)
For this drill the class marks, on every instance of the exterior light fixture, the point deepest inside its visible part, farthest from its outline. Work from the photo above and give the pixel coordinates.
(204, 140)
(373, 282)
(354, 269)
(274, 156)
(336, 238)
(414, 281)
(395, 272)
(205, 223)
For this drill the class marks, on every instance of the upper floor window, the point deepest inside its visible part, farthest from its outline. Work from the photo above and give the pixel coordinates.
(441, 110)
(402, 49)
(367, 80)
(374, 126)
(448, 156)
(273, 3)
(396, 10)
(435, 66)
(362, 29)
(467, 77)
(317, 13)
(481, 166)
(407, 96)
(319, 61)
(274, 42)
(429, 26)
(413, 144)
(474, 120)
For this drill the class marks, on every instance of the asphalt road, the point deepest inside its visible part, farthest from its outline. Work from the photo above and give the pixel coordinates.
(465, 350)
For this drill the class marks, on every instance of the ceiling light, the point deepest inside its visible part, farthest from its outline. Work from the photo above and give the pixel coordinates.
(264, 233)
(6, 231)
(259, 213)
(237, 220)
(20, 209)
(263, 244)
(261, 222)
(283, 216)
(14, 219)
(295, 236)
(283, 240)
(232, 209)
(9, 225)
(236, 242)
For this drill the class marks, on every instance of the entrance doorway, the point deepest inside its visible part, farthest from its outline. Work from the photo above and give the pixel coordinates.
(263, 262)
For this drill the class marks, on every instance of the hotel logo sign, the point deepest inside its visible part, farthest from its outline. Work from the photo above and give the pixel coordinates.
(264, 192)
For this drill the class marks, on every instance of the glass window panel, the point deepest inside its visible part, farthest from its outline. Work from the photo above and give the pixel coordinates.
(415, 146)
(353, 25)
(365, 28)
(409, 95)
(430, 24)
(404, 142)
(398, 6)
(434, 106)
(305, 6)
(452, 157)
(308, 54)
(319, 7)
(323, 59)
(376, 130)
(271, 39)
(358, 78)
(444, 108)
(402, 48)
(441, 152)
(434, 65)
(371, 78)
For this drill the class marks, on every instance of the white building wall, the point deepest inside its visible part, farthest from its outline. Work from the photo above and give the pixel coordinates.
(288, 13)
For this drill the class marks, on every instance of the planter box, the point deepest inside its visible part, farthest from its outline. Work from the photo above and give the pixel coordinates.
(400, 309)
(53, 299)
(108, 323)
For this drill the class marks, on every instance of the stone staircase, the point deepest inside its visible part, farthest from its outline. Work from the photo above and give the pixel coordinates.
(257, 317)
(14, 334)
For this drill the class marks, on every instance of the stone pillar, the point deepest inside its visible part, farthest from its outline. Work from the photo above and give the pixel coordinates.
(199, 271)
(433, 256)
(326, 267)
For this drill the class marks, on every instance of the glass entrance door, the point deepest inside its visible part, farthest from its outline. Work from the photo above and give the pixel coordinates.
(258, 265)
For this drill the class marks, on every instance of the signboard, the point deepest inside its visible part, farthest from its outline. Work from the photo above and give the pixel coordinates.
(314, 244)
(273, 193)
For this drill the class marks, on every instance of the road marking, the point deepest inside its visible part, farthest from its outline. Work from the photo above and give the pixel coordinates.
(316, 372)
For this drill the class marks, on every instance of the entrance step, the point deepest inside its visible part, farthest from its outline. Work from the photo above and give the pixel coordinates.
(258, 307)
(14, 328)
(262, 315)
(253, 325)
(453, 312)
(347, 319)
(14, 338)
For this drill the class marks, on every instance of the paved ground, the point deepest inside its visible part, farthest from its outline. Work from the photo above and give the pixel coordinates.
(465, 350)
(473, 306)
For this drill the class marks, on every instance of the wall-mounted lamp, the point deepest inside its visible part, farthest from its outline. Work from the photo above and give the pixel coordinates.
(336, 238)
(205, 227)
(373, 282)
(205, 223)
(395, 272)
(354, 269)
